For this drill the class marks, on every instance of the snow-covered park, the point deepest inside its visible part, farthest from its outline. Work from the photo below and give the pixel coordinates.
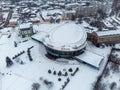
(21, 76)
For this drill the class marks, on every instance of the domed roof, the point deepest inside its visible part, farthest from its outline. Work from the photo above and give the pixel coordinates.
(66, 37)
(66, 34)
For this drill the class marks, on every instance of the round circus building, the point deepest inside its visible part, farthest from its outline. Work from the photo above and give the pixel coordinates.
(65, 41)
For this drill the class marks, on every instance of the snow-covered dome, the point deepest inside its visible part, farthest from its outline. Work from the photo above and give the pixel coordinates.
(67, 37)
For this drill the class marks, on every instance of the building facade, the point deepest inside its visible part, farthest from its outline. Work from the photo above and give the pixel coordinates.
(116, 4)
(65, 40)
(106, 37)
(92, 8)
(26, 30)
(65, 54)
(61, 44)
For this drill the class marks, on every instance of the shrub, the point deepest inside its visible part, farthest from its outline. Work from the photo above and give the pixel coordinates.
(9, 62)
(106, 72)
(99, 86)
(59, 73)
(59, 79)
(115, 67)
(54, 73)
(66, 74)
(35, 86)
(49, 71)
(70, 70)
(113, 85)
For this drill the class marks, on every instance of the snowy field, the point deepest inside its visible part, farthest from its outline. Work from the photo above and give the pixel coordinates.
(31, 66)
(22, 76)
(110, 79)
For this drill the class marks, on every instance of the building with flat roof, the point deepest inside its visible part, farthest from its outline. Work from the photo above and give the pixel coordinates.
(26, 29)
(116, 4)
(106, 37)
(65, 41)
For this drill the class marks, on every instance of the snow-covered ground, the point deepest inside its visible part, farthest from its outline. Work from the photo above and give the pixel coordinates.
(111, 78)
(23, 73)
(21, 77)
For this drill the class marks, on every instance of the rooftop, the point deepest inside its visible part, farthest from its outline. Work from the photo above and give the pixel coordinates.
(108, 33)
(91, 58)
(70, 32)
(24, 25)
(68, 35)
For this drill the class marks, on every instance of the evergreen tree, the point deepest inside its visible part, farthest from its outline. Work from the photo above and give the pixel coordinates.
(9, 62)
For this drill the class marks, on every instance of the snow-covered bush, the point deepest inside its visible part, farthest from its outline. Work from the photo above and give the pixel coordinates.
(106, 72)
(115, 67)
(9, 62)
(35, 86)
(113, 85)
